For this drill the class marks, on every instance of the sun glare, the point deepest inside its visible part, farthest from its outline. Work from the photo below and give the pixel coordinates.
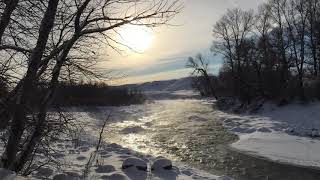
(138, 38)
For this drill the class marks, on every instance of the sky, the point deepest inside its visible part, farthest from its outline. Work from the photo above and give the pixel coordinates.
(167, 52)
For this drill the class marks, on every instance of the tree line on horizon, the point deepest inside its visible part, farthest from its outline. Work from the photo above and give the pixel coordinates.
(272, 53)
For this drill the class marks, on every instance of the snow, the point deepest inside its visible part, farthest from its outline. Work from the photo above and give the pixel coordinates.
(113, 163)
(281, 147)
(288, 134)
(111, 158)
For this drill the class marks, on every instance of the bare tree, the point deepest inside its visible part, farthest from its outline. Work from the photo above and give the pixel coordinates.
(295, 14)
(279, 53)
(312, 19)
(10, 6)
(230, 34)
(200, 68)
(18, 122)
(276, 8)
(67, 28)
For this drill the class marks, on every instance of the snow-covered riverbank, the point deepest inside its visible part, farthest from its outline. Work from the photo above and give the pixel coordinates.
(190, 130)
(109, 164)
(288, 134)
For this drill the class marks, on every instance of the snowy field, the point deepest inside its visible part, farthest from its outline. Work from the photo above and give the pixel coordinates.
(288, 134)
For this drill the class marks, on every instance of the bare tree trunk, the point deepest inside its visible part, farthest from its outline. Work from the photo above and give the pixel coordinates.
(209, 82)
(312, 8)
(45, 103)
(4, 22)
(5, 18)
(18, 123)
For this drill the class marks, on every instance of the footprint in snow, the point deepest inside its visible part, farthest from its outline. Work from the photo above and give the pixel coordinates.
(227, 120)
(81, 158)
(264, 129)
(102, 153)
(60, 146)
(106, 155)
(73, 151)
(58, 155)
(105, 169)
(188, 173)
(45, 172)
(123, 156)
(148, 124)
(84, 149)
(74, 175)
(243, 130)
(115, 177)
(132, 130)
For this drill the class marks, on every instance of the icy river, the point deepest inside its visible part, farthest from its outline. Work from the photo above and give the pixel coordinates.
(186, 130)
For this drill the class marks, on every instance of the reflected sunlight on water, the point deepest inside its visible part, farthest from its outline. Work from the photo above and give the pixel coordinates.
(188, 131)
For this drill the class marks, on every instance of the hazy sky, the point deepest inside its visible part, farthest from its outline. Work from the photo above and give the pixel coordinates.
(166, 57)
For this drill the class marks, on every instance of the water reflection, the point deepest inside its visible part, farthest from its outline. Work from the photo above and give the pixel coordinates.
(187, 130)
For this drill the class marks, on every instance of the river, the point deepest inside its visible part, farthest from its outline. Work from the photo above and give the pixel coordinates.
(187, 131)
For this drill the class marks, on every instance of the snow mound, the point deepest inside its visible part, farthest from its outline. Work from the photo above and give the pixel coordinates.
(134, 162)
(161, 163)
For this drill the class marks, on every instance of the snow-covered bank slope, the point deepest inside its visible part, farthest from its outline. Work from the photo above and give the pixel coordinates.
(287, 134)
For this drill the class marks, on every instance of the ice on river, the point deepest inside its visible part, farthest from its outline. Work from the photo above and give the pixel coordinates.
(288, 134)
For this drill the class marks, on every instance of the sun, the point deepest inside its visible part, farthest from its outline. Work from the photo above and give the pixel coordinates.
(138, 38)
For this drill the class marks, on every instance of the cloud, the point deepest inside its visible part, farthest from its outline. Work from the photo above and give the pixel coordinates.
(167, 56)
(155, 77)
(163, 75)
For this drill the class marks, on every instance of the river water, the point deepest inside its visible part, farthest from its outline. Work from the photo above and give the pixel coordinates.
(186, 130)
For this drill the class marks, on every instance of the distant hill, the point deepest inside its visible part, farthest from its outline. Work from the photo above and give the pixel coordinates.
(167, 85)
